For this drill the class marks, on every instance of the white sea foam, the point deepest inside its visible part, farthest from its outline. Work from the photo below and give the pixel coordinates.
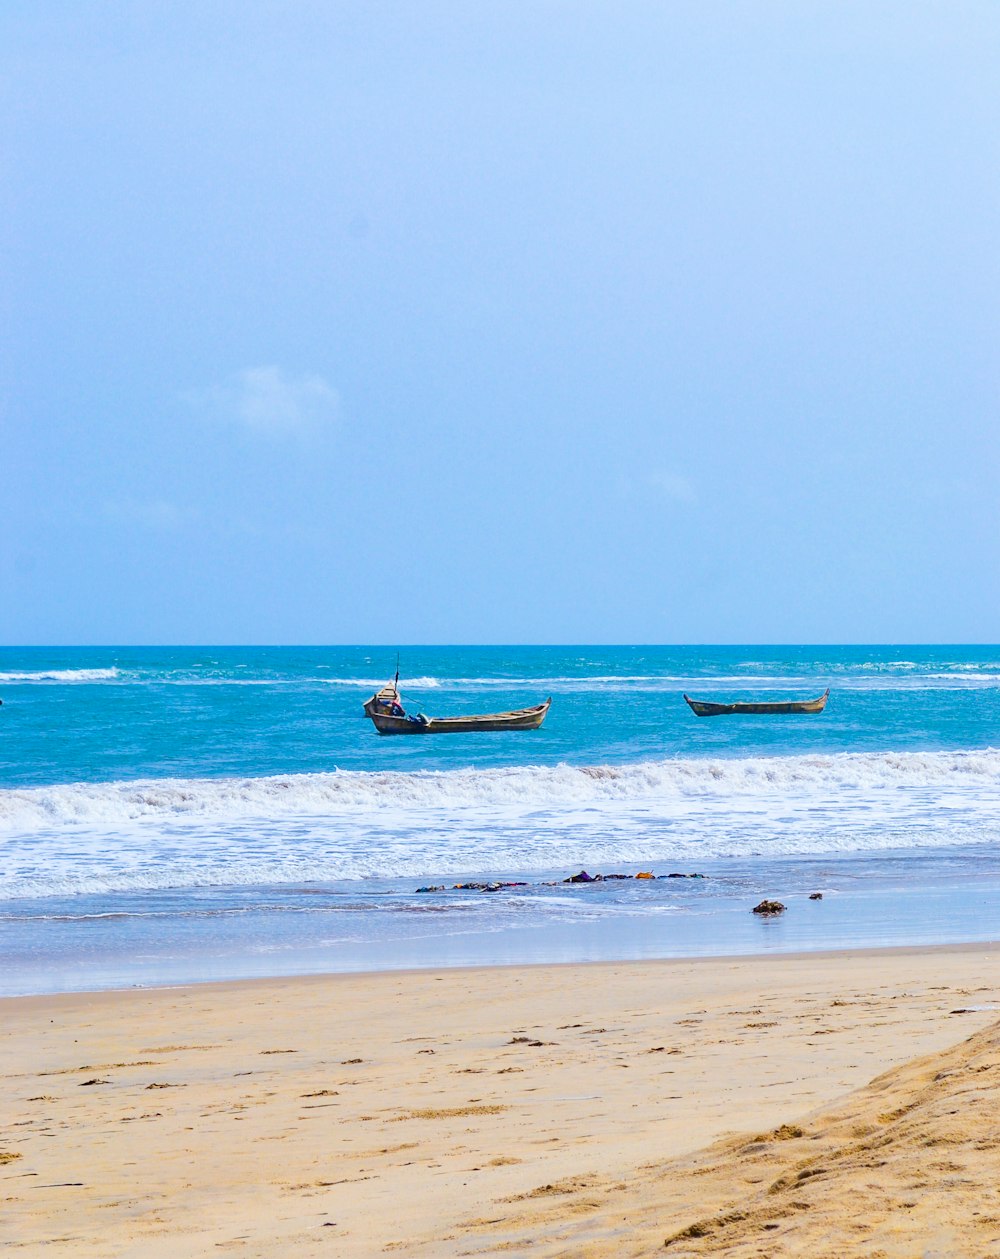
(696, 684)
(965, 677)
(872, 677)
(60, 675)
(566, 786)
(434, 844)
(421, 684)
(189, 833)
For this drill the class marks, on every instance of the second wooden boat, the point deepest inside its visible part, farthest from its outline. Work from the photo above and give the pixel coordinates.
(389, 717)
(706, 708)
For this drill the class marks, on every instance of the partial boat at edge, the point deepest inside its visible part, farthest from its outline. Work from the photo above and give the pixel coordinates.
(706, 708)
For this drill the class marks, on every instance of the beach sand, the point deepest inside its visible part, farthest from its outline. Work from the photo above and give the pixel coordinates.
(836, 1104)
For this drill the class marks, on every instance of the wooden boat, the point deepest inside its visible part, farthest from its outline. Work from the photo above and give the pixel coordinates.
(389, 717)
(705, 708)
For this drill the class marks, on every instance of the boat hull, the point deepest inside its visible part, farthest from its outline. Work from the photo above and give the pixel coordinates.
(705, 708)
(521, 719)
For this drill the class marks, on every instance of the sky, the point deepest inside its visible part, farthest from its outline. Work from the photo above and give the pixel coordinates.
(522, 321)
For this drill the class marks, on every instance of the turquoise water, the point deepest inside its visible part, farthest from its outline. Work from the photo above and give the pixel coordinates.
(171, 813)
(203, 712)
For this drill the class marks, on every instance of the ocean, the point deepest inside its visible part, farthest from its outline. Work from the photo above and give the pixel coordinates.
(177, 814)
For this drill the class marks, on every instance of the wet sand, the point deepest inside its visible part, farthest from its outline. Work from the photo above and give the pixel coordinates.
(723, 1105)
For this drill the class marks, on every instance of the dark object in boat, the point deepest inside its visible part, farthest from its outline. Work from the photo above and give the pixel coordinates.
(705, 708)
(769, 908)
(389, 717)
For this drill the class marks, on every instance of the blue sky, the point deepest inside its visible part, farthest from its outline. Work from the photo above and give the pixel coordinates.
(501, 322)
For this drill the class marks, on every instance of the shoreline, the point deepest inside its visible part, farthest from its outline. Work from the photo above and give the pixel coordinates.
(424, 1113)
(250, 982)
(123, 940)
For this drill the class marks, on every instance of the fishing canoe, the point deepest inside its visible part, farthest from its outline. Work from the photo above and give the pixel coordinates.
(704, 708)
(380, 708)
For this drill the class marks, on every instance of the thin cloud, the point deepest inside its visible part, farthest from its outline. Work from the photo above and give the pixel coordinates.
(677, 488)
(157, 514)
(267, 401)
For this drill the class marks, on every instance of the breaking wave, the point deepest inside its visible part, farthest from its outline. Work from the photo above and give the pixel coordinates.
(863, 678)
(60, 675)
(823, 777)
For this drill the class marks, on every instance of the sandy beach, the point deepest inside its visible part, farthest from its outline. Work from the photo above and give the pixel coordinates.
(828, 1104)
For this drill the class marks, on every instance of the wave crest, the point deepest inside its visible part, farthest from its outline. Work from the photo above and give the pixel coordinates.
(342, 792)
(60, 675)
